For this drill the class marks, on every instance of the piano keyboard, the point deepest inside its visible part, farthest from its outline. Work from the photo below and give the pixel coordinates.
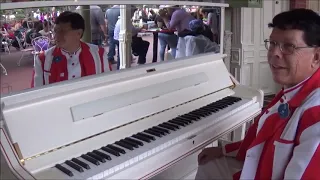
(112, 158)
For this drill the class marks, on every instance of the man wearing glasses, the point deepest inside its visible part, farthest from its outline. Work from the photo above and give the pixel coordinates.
(284, 142)
(70, 58)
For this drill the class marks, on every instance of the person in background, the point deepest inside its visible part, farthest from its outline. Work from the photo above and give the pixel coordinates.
(138, 45)
(176, 18)
(153, 15)
(98, 25)
(284, 141)
(111, 17)
(196, 40)
(34, 32)
(70, 58)
(45, 31)
(166, 38)
(144, 14)
(212, 21)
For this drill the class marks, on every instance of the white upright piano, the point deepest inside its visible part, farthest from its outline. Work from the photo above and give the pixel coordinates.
(133, 124)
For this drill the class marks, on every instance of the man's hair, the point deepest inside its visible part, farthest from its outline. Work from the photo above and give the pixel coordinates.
(305, 20)
(76, 20)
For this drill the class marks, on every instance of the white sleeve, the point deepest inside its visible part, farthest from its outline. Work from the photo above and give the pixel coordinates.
(191, 46)
(38, 73)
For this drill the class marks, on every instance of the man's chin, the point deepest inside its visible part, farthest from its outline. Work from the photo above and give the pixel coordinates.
(280, 80)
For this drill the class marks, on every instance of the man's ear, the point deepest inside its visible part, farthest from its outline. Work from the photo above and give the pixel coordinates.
(81, 32)
(316, 59)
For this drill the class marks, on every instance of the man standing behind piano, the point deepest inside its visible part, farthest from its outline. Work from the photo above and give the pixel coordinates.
(70, 58)
(284, 142)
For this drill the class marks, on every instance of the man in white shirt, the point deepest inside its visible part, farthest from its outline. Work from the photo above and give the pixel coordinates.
(139, 46)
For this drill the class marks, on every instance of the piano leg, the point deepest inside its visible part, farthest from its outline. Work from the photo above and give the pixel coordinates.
(222, 168)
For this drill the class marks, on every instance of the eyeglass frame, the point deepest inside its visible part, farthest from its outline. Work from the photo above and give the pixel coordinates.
(281, 46)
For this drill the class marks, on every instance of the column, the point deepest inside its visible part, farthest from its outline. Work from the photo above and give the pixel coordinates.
(125, 36)
(85, 13)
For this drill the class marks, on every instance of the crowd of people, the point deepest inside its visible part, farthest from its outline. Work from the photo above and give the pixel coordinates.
(178, 30)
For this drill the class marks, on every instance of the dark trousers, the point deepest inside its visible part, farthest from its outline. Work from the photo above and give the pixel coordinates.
(112, 46)
(139, 48)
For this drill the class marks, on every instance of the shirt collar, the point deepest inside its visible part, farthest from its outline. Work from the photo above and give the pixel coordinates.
(71, 54)
(288, 93)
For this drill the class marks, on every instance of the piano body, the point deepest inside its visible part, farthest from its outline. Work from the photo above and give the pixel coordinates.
(132, 124)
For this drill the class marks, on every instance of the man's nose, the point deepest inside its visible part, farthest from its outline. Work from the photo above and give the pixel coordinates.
(275, 52)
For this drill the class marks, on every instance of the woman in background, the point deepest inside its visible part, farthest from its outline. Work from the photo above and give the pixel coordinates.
(212, 21)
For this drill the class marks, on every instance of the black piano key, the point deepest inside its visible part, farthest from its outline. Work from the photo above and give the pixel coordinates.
(203, 109)
(156, 130)
(135, 141)
(235, 99)
(99, 158)
(142, 138)
(204, 112)
(111, 151)
(213, 110)
(64, 170)
(153, 133)
(90, 159)
(125, 145)
(227, 102)
(161, 129)
(82, 164)
(147, 136)
(74, 166)
(167, 127)
(173, 125)
(105, 156)
(177, 122)
(191, 117)
(131, 143)
(221, 104)
(180, 118)
(182, 121)
(120, 150)
(200, 114)
(217, 107)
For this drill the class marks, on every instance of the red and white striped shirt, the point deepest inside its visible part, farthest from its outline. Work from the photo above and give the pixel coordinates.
(284, 148)
(55, 64)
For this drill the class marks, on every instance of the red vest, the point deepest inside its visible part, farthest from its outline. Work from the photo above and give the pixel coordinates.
(266, 135)
(59, 64)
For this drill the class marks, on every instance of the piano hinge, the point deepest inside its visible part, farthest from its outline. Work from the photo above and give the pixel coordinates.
(18, 151)
(234, 84)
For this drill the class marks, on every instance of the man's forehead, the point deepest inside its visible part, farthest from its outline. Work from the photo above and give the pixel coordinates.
(63, 25)
(287, 35)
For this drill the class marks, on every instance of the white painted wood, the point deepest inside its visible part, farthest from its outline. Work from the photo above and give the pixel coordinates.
(30, 4)
(55, 110)
(125, 36)
(314, 5)
(249, 57)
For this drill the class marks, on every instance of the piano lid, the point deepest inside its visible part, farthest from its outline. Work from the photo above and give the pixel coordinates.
(57, 115)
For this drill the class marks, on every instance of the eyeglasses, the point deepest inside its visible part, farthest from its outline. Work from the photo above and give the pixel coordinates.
(285, 48)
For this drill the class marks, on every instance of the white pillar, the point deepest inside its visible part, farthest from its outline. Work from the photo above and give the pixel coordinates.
(125, 36)
(222, 19)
